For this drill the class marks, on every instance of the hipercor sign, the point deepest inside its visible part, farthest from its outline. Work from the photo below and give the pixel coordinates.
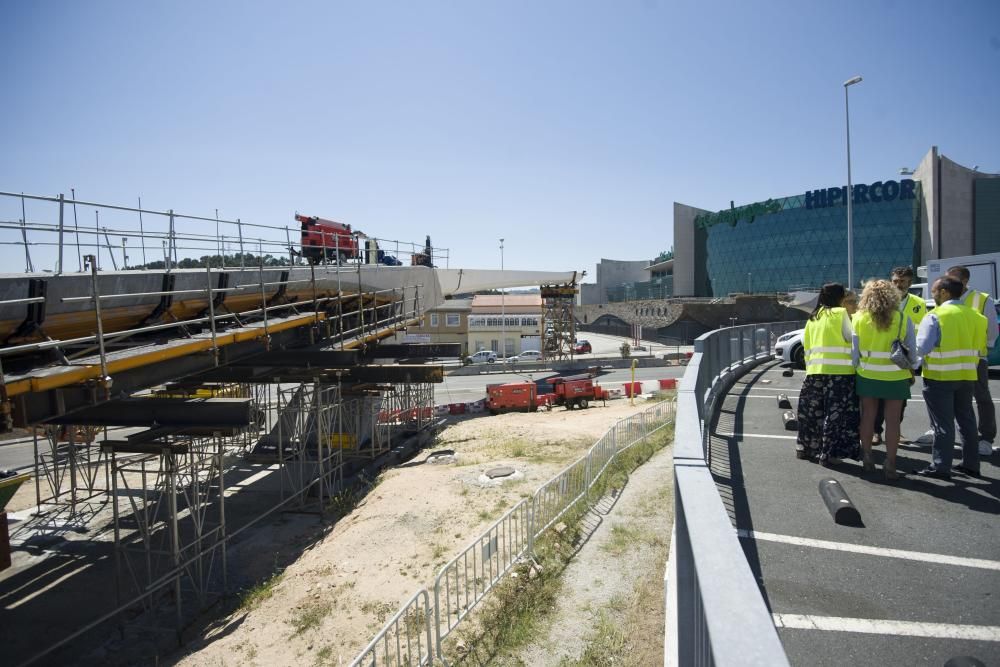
(879, 191)
(876, 192)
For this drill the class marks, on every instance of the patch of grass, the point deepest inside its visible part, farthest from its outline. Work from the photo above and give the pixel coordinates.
(341, 504)
(622, 539)
(309, 616)
(438, 550)
(324, 656)
(608, 646)
(251, 651)
(518, 449)
(256, 595)
(380, 610)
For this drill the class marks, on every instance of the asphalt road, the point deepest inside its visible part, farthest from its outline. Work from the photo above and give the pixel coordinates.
(918, 584)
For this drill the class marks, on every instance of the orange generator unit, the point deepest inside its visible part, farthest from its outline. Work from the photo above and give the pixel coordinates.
(576, 391)
(512, 397)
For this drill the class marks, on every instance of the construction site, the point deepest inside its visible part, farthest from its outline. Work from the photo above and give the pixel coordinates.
(170, 413)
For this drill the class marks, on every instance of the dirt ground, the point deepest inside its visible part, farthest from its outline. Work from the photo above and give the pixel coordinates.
(331, 601)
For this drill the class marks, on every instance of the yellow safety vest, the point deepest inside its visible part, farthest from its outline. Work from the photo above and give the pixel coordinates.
(977, 302)
(914, 308)
(957, 353)
(826, 351)
(875, 344)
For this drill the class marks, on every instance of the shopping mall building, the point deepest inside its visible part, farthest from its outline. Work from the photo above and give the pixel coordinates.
(939, 210)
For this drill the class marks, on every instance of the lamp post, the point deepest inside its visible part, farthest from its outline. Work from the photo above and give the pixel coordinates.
(749, 275)
(503, 314)
(850, 189)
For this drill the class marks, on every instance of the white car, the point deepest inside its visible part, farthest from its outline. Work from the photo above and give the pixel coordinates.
(482, 357)
(528, 356)
(789, 349)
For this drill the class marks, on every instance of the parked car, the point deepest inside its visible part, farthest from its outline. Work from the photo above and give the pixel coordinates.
(789, 348)
(583, 347)
(527, 356)
(481, 357)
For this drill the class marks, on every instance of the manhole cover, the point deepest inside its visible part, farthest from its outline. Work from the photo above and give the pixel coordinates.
(502, 471)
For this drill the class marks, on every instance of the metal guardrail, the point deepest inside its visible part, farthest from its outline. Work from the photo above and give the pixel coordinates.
(715, 612)
(406, 638)
(465, 580)
(120, 234)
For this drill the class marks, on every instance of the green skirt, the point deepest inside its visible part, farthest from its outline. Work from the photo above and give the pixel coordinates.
(889, 389)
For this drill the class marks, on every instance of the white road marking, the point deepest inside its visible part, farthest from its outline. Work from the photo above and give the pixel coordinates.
(941, 559)
(873, 626)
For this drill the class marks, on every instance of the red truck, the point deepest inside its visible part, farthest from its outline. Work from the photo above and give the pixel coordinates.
(327, 239)
(576, 391)
(514, 397)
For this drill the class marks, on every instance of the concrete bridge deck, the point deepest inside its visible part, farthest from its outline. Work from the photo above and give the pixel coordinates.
(917, 585)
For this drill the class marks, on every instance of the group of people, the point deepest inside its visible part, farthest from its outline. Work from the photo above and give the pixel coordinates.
(861, 358)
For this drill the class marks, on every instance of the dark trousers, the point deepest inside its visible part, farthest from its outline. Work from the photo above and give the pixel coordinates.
(984, 404)
(948, 402)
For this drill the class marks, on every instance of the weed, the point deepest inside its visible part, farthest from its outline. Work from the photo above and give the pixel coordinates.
(381, 610)
(518, 449)
(256, 595)
(309, 616)
(324, 655)
(622, 539)
(607, 647)
(437, 551)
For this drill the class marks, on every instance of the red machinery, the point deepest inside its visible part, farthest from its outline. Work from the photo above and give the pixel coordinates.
(327, 239)
(576, 391)
(513, 397)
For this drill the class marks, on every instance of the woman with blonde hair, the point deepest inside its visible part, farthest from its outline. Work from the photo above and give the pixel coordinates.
(878, 324)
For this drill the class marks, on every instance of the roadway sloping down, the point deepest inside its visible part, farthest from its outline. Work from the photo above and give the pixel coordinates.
(918, 584)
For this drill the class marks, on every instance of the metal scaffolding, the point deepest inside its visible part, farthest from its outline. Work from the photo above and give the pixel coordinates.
(72, 465)
(558, 322)
(168, 499)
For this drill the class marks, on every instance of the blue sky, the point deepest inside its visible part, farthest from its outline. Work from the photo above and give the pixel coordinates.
(569, 128)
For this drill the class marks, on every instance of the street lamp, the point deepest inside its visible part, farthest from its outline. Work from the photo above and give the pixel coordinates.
(503, 314)
(850, 189)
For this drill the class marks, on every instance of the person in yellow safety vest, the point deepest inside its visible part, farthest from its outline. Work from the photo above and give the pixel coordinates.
(948, 345)
(828, 406)
(914, 308)
(982, 303)
(877, 325)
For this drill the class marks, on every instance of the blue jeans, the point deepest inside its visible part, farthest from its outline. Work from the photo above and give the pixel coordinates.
(948, 402)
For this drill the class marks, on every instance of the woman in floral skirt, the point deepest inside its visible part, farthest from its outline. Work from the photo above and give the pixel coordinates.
(828, 407)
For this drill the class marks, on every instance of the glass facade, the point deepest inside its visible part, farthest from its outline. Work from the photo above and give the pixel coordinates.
(785, 245)
(658, 288)
(987, 215)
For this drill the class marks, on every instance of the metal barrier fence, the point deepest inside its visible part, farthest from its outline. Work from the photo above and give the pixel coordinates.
(715, 612)
(406, 638)
(465, 580)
